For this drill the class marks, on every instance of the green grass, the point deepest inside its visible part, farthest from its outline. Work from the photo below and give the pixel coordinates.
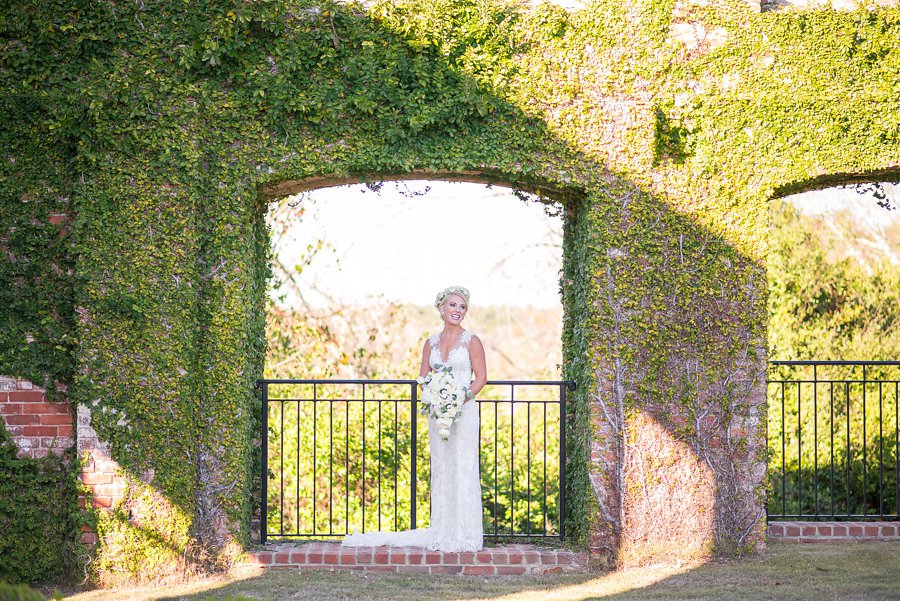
(820, 572)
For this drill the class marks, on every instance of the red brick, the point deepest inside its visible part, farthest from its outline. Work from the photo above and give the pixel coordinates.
(27, 396)
(871, 530)
(391, 569)
(824, 530)
(56, 419)
(39, 431)
(484, 557)
(282, 558)
(839, 531)
(314, 557)
(49, 408)
(413, 570)
(855, 531)
(479, 570)
(89, 538)
(511, 570)
(446, 569)
(331, 557)
(22, 420)
(466, 558)
(415, 558)
(265, 558)
(450, 558)
(548, 558)
(92, 479)
(382, 556)
(432, 558)
(515, 557)
(102, 502)
(363, 555)
(64, 430)
(531, 557)
(298, 557)
(10, 408)
(776, 530)
(348, 558)
(57, 218)
(565, 558)
(116, 489)
(398, 558)
(810, 531)
(792, 531)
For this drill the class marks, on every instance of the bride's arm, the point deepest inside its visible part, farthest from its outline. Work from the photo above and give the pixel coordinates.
(479, 368)
(425, 367)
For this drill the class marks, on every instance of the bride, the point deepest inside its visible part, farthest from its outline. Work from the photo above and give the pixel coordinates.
(456, 514)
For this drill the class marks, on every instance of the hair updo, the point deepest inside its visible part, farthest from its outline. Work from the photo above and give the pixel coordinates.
(443, 294)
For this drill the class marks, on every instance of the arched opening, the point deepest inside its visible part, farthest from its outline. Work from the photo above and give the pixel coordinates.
(361, 265)
(834, 337)
(356, 270)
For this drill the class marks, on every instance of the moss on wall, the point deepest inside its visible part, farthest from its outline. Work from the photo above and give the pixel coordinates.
(159, 129)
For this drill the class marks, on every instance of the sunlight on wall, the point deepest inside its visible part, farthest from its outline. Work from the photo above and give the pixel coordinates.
(663, 517)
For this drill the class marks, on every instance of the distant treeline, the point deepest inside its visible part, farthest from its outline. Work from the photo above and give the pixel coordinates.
(833, 446)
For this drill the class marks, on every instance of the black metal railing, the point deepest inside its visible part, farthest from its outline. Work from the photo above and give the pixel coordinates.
(345, 455)
(834, 440)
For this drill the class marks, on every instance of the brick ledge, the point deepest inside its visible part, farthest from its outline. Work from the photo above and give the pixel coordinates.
(833, 531)
(491, 561)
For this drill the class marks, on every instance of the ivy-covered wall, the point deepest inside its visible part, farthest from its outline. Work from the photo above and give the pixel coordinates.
(161, 130)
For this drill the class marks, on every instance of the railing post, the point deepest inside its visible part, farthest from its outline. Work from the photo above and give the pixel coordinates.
(264, 476)
(414, 411)
(562, 461)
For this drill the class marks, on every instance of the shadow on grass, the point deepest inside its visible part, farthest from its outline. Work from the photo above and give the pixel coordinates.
(862, 571)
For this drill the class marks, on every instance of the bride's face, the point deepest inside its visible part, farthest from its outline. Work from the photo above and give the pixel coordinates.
(453, 311)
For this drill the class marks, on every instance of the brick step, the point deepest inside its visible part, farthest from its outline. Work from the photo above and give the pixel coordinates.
(491, 561)
(833, 531)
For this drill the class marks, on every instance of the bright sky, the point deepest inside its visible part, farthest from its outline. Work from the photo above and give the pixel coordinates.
(863, 206)
(406, 246)
(411, 239)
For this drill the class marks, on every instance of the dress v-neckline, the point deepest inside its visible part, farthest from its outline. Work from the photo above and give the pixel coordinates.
(452, 348)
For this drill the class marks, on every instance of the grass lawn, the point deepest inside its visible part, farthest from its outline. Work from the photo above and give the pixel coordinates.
(818, 572)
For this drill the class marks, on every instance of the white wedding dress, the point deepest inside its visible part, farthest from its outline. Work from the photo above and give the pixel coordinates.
(455, 479)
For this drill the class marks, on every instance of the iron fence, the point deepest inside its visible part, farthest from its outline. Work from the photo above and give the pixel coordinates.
(345, 455)
(834, 440)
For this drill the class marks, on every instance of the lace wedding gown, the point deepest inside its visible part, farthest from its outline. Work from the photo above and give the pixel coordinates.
(455, 479)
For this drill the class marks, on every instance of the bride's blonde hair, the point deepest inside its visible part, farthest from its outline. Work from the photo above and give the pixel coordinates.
(443, 294)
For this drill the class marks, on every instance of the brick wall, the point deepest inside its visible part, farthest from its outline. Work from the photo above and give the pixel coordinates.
(823, 532)
(99, 472)
(491, 561)
(38, 426)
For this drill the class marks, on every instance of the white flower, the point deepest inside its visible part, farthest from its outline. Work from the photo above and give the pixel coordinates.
(442, 399)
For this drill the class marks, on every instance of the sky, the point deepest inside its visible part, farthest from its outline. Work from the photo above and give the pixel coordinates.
(410, 240)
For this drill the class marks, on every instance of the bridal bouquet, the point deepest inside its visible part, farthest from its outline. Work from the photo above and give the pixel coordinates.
(442, 398)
